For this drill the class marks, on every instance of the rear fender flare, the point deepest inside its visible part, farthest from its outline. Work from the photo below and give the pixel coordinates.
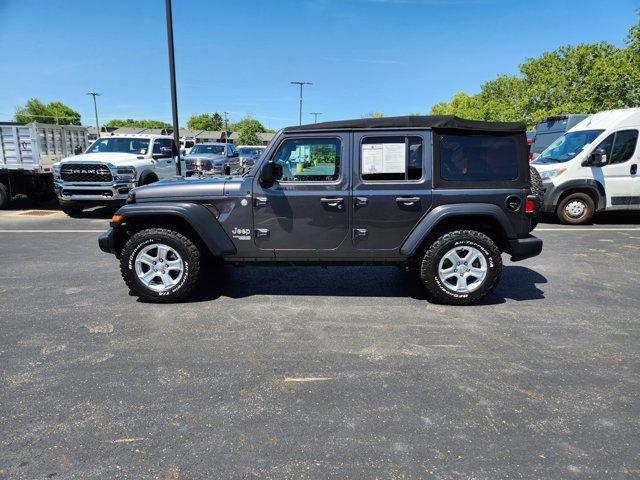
(445, 212)
(196, 215)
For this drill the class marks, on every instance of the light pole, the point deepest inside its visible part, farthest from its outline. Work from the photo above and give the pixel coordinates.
(95, 109)
(172, 78)
(226, 129)
(301, 84)
(315, 116)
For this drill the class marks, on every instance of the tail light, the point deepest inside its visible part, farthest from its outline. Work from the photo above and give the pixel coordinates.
(530, 205)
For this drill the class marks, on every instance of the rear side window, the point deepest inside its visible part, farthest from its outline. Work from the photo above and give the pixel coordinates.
(391, 158)
(619, 146)
(473, 158)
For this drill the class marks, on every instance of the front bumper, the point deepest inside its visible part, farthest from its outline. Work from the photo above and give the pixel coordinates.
(92, 192)
(107, 241)
(522, 248)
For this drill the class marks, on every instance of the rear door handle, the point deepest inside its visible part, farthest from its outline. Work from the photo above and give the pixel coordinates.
(332, 202)
(408, 200)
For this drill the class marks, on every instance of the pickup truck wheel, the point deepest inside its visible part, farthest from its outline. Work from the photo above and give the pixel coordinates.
(72, 210)
(461, 267)
(576, 209)
(160, 265)
(147, 178)
(4, 196)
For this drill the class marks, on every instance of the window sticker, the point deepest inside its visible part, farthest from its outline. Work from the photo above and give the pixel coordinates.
(383, 158)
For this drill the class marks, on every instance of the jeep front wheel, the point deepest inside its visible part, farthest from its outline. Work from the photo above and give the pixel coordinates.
(461, 267)
(160, 265)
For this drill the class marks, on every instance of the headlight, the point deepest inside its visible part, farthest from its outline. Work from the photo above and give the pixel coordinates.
(549, 174)
(126, 173)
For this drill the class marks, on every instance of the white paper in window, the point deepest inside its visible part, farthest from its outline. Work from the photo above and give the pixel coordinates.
(383, 158)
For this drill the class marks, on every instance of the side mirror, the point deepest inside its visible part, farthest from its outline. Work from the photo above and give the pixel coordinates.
(234, 154)
(77, 150)
(598, 158)
(270, 174)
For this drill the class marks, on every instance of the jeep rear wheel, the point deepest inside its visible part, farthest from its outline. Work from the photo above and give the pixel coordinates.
(160, 265)
(576, 209)
(461, 267)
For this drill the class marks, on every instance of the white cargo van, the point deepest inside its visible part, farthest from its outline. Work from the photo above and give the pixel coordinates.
(593, 167)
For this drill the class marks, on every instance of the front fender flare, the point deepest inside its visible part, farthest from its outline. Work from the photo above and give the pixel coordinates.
(196, 215)
(442, 212)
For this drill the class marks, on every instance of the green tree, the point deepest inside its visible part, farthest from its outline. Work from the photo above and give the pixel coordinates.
(54, 112)
(205, 121)
(129, 122)
(585, 78)
(374, 114)
(248, 134)
(247, 123)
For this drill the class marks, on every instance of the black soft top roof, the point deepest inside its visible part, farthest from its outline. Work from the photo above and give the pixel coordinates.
(435, 122)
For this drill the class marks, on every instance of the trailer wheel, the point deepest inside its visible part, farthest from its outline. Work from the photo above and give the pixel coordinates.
(4, 196)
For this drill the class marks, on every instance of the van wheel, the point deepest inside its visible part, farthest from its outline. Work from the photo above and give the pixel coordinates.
(160, 265)
(461, 267)
(576, 209)
(4, 196)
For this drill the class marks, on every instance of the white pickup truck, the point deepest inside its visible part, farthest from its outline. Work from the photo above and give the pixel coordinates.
(110, 168)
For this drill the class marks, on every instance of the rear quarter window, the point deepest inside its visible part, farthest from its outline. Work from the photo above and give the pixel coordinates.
(480, 159)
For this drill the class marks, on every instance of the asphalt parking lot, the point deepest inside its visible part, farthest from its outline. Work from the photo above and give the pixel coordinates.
(317, 373)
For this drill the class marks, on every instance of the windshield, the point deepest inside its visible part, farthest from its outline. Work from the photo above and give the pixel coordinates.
(250, 152)
(138, 146)
(567, 146)
(210, 149)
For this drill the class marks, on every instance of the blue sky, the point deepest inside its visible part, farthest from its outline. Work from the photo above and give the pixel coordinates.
(396, 56)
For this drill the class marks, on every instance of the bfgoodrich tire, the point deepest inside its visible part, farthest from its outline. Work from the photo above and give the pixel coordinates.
(461, 267)
(576, 209)
(161, 265)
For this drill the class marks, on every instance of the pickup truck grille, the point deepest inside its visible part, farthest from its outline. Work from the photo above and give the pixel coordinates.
(85, 172)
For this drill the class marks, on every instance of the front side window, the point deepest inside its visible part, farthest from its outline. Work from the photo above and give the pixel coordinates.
(309, 160)
(138, 146)
(619, 146)
(391, 158)
(567, 146)
(161, 143)
(479, 157)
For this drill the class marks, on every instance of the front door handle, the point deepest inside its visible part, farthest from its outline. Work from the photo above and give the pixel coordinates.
(407, 200)
(634, 169)
(332, 202)
(361, 201)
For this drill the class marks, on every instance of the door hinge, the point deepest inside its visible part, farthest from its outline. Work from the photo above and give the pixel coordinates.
(260, 201)
(262, 232)
(360, 232)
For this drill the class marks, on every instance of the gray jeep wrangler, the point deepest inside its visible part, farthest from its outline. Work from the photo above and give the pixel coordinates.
(436, 194)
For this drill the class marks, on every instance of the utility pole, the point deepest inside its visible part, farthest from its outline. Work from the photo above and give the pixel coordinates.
(315, 116)
(301, 84)
(172, 78)
(226, 129)
(95, 109)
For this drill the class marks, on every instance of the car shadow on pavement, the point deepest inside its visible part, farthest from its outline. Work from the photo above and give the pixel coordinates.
(24, 203)
(518, 283)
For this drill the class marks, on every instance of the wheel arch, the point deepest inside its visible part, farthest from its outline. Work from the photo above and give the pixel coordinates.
(194, 220)
(486, 218)
(589, 186)
(147, 175)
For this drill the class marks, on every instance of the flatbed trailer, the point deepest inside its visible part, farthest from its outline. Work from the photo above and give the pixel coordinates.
(27, 155)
